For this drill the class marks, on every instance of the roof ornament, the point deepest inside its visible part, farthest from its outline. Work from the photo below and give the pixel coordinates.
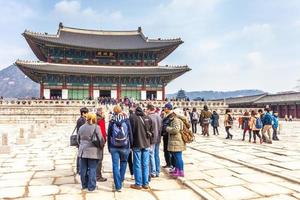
(61, 25)
(139, 29)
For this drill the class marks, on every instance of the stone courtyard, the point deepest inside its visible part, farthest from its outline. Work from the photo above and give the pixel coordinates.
(43, 168)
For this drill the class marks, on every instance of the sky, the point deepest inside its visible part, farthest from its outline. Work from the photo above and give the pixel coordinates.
(228, 44)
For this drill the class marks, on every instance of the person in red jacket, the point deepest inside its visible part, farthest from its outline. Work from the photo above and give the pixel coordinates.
(101, 123)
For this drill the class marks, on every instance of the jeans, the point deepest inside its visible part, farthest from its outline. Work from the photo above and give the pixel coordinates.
(119, 158)
(141, 166)
(179, 161)
(194, 126)
(88, 169)
(154, 159)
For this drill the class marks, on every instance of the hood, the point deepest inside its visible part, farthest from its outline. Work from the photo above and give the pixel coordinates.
(119, 117)
(139, 111)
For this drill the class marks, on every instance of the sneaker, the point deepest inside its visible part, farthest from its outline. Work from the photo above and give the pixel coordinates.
(146, 187)
(157, 175)
(136, 187)
(101, 179)
(152, 175)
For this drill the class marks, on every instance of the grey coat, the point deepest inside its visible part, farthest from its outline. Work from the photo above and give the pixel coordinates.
(86, 148)
(156, 127)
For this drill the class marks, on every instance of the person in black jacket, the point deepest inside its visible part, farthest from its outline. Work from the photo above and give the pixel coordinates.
(80, 121)
(141, 130)
(215, 122)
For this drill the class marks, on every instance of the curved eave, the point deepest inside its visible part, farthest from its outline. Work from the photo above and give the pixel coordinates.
(40, 38)
(35, 69)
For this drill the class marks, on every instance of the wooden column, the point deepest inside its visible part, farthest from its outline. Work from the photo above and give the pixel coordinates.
(163, 92)
(119, 89)
(91, 88)
(295, 111)
(41, 90)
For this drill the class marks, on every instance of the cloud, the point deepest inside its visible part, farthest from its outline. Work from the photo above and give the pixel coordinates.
(74, 12)
(253, 35)
(9, 54)
(255, 58)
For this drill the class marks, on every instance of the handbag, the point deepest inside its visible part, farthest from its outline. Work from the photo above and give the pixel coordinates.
(73, 139)
(98, 142)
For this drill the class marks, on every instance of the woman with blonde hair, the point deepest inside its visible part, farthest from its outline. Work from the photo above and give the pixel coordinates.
(89, 153)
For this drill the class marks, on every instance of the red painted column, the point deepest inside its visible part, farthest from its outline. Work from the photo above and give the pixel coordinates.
(41, 90)
(119, 90)
(91, 90)
(163, 92)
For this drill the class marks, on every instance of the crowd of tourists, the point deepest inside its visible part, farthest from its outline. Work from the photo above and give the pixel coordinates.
(132, 138)
(263, 125)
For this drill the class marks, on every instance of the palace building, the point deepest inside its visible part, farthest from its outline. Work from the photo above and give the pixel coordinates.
(79, 64)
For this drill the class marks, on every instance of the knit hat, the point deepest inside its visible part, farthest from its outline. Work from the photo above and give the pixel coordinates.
(169, 106)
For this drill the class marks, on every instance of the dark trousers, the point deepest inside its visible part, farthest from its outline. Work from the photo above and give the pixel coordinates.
(250, 134)
(228, 132)
(78, 165)
(275, 134)
(130, 164)
(256, 133)
(170, 161)
(216, 131)
(99, 167)
(194, 127)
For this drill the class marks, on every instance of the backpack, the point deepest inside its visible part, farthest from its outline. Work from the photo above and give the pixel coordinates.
(258, 124)
(195, 116)
(186, 134)
(230, 120)
(120, 136)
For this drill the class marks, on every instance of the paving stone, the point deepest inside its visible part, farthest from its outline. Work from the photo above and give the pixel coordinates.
(38, 198)
(226, 181)
(35, 191)
(236, 192)
(64, 180)
(12, 192)
(41, 181)
(278, 197)
(218, 172)
(203, 184)
(70, 189)
(100, 194)
(69, 197)
(175, 195)
(159, 185)
(268, 189)
(258, 178)
(297, 195)
(289, 185)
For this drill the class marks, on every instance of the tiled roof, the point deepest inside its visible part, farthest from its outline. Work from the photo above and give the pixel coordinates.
(43, 67)
(279, 98)
(244, 99)
(99, 39)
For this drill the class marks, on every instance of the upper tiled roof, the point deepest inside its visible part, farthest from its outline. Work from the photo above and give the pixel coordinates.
(99, 39)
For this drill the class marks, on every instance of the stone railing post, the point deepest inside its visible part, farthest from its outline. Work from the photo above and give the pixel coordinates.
(31, 134)
(21, 138)
(5, 148)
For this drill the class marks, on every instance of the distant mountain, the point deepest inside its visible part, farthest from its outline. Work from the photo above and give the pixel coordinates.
(15, 84)
(212, 95)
